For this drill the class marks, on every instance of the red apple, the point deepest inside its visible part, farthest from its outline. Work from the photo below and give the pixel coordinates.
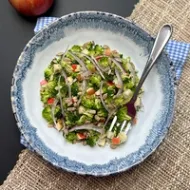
(31, 7)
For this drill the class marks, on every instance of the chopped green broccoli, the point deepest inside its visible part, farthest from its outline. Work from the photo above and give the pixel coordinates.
(109, 77)
(125, 78)
(90, 66)
(97, 104)
(74, 75)
(74, 89)
(95, 79)
(51, 87)
(47, 114)
(119, 100)
(70, 58)
(71, 118)
(55, 78)
(83, 119)
(92, 139)
(91, 52)
(76, 48)
(45, 95)
(110, 90)
(125, 63)
(109, 101)
(104, 62)
(71, 137)
(89, 115)
(123, 98)
(88, 102)
(57, 112)
(64, 89)
(102, 113)
(128, 83)
(67, 67)
(98, 49)
(122, 115)
(47, 73)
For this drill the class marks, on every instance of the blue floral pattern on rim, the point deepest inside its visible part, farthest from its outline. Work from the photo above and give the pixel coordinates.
(54, 32)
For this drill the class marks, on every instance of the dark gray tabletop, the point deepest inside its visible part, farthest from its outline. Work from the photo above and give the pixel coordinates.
(15, 32)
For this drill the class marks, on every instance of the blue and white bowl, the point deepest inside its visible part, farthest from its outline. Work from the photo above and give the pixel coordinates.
(127, 38)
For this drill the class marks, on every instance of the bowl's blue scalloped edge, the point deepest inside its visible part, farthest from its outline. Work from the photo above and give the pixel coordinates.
(116, 24)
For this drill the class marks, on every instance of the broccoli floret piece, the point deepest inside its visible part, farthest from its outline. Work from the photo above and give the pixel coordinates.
(97, 104)
(71, 137)
(95, 79)
(110, 90)
(45, 95)
(89, 115)
(92, 139)
(87, 102)
(102, 113)
(83, 119)
(64, 89)
(57, 112)
(71, 118)
(125, 63)
(109, 101)
(128, 83)
(91, 52)
(74, 75)
(51, 87)
(125, 79)
(47, 114)
(67, 67)
(71, 58)
(109, 77)
(47, 73)
(90, 66)
(76, 48)
(98, 49)
(123, 98)
(74, 89)
(55, 78)
(122, 115)
(119, 101)
(104, 62)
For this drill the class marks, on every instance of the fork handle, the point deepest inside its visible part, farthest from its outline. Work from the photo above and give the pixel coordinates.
(161, 40)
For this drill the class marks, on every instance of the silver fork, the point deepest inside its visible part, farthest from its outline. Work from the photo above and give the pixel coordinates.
(160, 42)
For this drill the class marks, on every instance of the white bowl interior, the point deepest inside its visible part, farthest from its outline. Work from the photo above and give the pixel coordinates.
(152, 97)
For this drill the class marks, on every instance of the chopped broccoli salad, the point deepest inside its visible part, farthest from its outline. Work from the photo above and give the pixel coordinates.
(83, 89)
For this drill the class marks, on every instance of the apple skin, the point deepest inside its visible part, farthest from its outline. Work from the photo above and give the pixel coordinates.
(31, 7)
